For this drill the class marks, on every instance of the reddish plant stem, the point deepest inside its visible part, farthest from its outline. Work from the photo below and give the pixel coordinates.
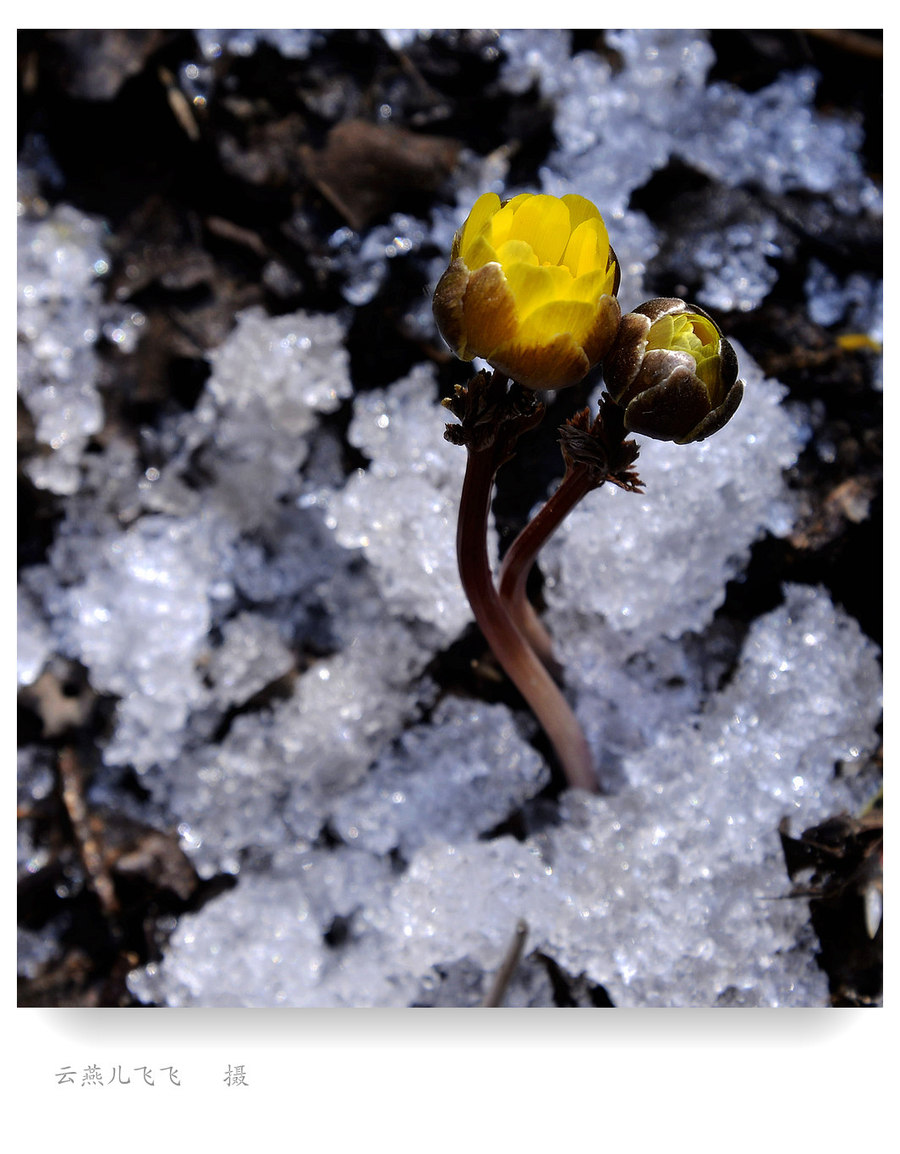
(510, 648)
(578, 481)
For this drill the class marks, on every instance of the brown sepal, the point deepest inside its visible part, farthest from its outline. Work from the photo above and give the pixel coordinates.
(600, 444)
(489, 311)
(447, 305)
(492, 414)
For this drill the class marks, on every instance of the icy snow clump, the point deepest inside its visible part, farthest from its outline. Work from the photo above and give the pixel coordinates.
(668, 894)
(61, 260)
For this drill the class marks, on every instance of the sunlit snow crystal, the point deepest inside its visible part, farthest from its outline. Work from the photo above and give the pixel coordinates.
(271, 380)
(400, 39)
(615, 130)
(857, 303)
(669, 893)
(529, 57)
(295, 365)
(34, 642)
(626, 700)
(251, 656)
(279, 772)
(290, 42)
(137, 622)
(777, 138)
(736, 274)
(401, 511)
(366, 263)
(459, 776)
(35, 948)
(264, 943)
(61, 259)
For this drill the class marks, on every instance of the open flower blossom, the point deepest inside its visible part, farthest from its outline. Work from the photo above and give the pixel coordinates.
(673, 372)
(531, 289)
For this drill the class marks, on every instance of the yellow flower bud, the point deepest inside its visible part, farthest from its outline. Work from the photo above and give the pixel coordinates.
(673, 372)
(531, 287)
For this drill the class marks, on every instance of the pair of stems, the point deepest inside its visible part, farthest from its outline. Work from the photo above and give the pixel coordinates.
(578, 481)
(507, 620)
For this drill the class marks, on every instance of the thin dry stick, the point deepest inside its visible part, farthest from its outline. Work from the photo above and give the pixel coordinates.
(98, 875)
(495, 995)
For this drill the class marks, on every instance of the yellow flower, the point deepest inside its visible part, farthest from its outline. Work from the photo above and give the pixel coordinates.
(673, 372)
(531, 288)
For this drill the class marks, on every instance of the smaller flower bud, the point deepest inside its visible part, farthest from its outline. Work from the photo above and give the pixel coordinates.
(673, 372)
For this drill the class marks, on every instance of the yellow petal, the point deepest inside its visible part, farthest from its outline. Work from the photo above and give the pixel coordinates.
(587, 249)
(662, 334)
(543, 221)
(533, 285)
(591, 286)
(502, 222)
(555, 318)
(478, 253)
(705, 330)
(514, 202)
(580, 209)
(516, 252)
(477, 221)
(709, 370)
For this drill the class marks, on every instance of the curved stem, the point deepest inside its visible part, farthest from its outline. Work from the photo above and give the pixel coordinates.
(510, 648)
(522, 553)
